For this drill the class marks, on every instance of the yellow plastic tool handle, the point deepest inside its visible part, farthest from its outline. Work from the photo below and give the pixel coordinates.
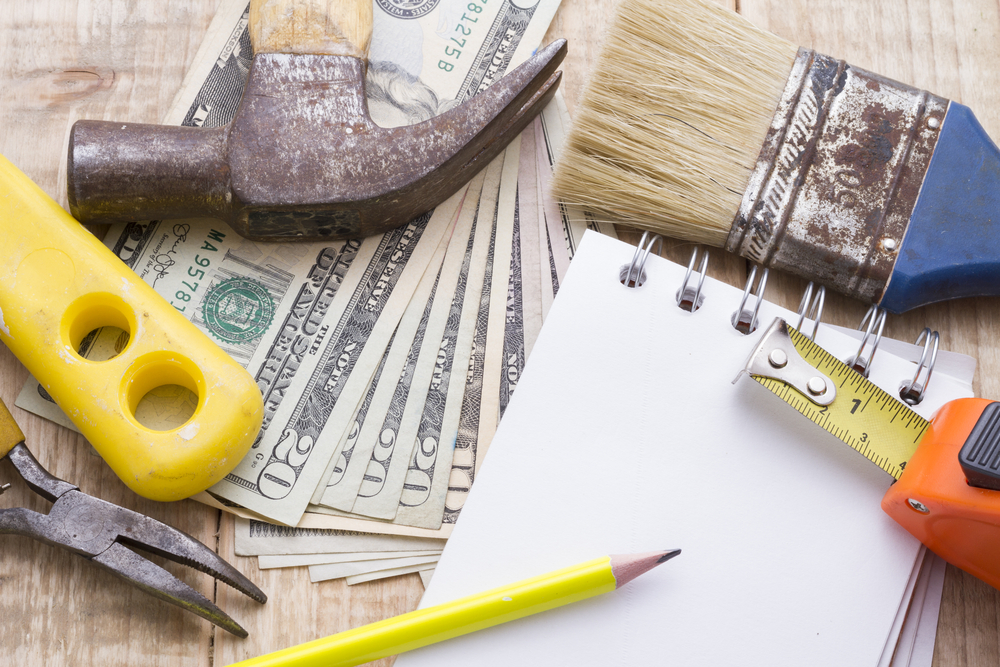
(57, 284)
(10, 432)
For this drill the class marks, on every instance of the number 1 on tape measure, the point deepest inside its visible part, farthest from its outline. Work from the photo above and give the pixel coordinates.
(882, 429)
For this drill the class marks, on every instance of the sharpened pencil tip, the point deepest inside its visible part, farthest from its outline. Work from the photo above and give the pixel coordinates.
(668, 555)
(627, 567)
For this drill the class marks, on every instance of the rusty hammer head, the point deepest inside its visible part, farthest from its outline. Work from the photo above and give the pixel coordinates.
(302, 159)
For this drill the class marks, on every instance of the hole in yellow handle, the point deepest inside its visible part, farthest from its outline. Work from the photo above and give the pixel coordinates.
(166, 408)
(103, 343)
(162, 390)
(99, 320)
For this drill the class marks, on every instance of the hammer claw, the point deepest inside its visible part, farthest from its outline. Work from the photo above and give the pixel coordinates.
(515, 125)
(481, 127)
(493, 109)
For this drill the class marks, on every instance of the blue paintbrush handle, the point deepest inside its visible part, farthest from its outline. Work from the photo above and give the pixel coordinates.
(952, 245)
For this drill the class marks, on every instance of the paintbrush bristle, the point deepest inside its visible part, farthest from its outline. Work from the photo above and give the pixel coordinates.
(673, 118)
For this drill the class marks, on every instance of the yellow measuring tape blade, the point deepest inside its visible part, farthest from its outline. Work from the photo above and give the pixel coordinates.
(880, 427)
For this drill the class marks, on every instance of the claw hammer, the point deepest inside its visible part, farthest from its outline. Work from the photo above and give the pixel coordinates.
(302, 159)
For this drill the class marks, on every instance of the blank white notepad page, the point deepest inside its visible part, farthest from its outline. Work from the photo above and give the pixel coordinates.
(626, 435)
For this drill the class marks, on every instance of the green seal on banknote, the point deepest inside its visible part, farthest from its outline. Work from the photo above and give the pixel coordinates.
(237, 310)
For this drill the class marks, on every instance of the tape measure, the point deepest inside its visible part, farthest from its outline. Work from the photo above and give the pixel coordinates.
(870, 420)
(947, 492)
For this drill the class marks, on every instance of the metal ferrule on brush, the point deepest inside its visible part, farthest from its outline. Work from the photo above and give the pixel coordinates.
(838, 176)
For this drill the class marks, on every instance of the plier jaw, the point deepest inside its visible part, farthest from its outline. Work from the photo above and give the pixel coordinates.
(103, 532)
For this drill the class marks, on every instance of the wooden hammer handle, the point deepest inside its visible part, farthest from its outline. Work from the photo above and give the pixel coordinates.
(334, 27)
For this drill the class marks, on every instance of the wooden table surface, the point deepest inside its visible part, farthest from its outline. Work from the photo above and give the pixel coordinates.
(62, 60)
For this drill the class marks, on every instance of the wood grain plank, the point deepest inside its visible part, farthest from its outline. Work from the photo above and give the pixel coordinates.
(61, 60)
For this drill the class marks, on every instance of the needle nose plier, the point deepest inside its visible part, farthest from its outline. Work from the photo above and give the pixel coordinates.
(99, 531)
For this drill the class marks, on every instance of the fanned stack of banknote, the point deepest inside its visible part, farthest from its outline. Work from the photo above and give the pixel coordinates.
(385, 363)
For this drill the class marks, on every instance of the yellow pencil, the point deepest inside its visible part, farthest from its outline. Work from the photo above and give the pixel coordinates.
(476, 612)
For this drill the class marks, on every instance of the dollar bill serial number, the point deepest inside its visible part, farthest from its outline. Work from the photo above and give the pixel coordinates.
(453, 47)
(196, 271)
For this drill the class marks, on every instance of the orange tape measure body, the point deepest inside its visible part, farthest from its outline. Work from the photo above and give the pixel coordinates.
(934, 501)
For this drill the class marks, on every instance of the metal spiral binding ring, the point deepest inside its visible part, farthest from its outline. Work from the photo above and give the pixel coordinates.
(875, 321)
(912, 392)
(744, 319)
(811, 308)
(631, 275)
(689, 298)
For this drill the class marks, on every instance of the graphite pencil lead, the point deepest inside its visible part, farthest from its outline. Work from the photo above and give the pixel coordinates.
(668, 555)
(627, 567)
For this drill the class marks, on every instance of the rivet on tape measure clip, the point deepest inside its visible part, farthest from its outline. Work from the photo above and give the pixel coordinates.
(775, 357)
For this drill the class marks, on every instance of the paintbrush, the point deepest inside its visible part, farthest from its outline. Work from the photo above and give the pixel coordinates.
(698, 125)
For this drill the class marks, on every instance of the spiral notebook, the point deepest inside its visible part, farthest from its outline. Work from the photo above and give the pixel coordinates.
(626, 435)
